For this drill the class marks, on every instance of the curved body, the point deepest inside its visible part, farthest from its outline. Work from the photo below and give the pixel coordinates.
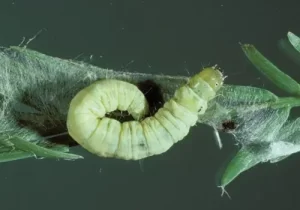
(134, 140)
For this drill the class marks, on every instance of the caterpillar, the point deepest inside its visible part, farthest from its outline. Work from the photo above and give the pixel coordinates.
(88, 124)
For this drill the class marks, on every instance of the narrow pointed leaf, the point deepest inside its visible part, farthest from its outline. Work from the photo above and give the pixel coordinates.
(8, 154)
(244, 160)
(290, 51)
(42, 151)
(273, 73)
(14, 155)
(295, 40)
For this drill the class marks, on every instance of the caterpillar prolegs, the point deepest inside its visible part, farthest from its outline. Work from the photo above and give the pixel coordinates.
(106, 137)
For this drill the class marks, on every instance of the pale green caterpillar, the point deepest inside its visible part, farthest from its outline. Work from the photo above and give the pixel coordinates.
(106, 137)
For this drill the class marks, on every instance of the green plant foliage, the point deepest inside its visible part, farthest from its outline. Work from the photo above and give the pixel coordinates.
(286, 46)
(266, 134)
(272, 72)
(294, 40)
(36, 90)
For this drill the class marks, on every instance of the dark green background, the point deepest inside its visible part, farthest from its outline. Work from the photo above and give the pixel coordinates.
(164, 37)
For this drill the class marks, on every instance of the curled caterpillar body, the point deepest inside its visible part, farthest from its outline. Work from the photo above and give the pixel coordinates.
(106, 137)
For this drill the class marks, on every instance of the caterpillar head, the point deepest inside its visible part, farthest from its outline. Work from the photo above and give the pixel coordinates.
(211, 75)
(207, 82)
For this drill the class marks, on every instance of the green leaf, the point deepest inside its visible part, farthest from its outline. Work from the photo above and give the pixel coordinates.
(273, 73)
(235, 96)
(8, 154)
(295, 40)
(285, 46)
(244, 160)
(39, 151)
(14, 155)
